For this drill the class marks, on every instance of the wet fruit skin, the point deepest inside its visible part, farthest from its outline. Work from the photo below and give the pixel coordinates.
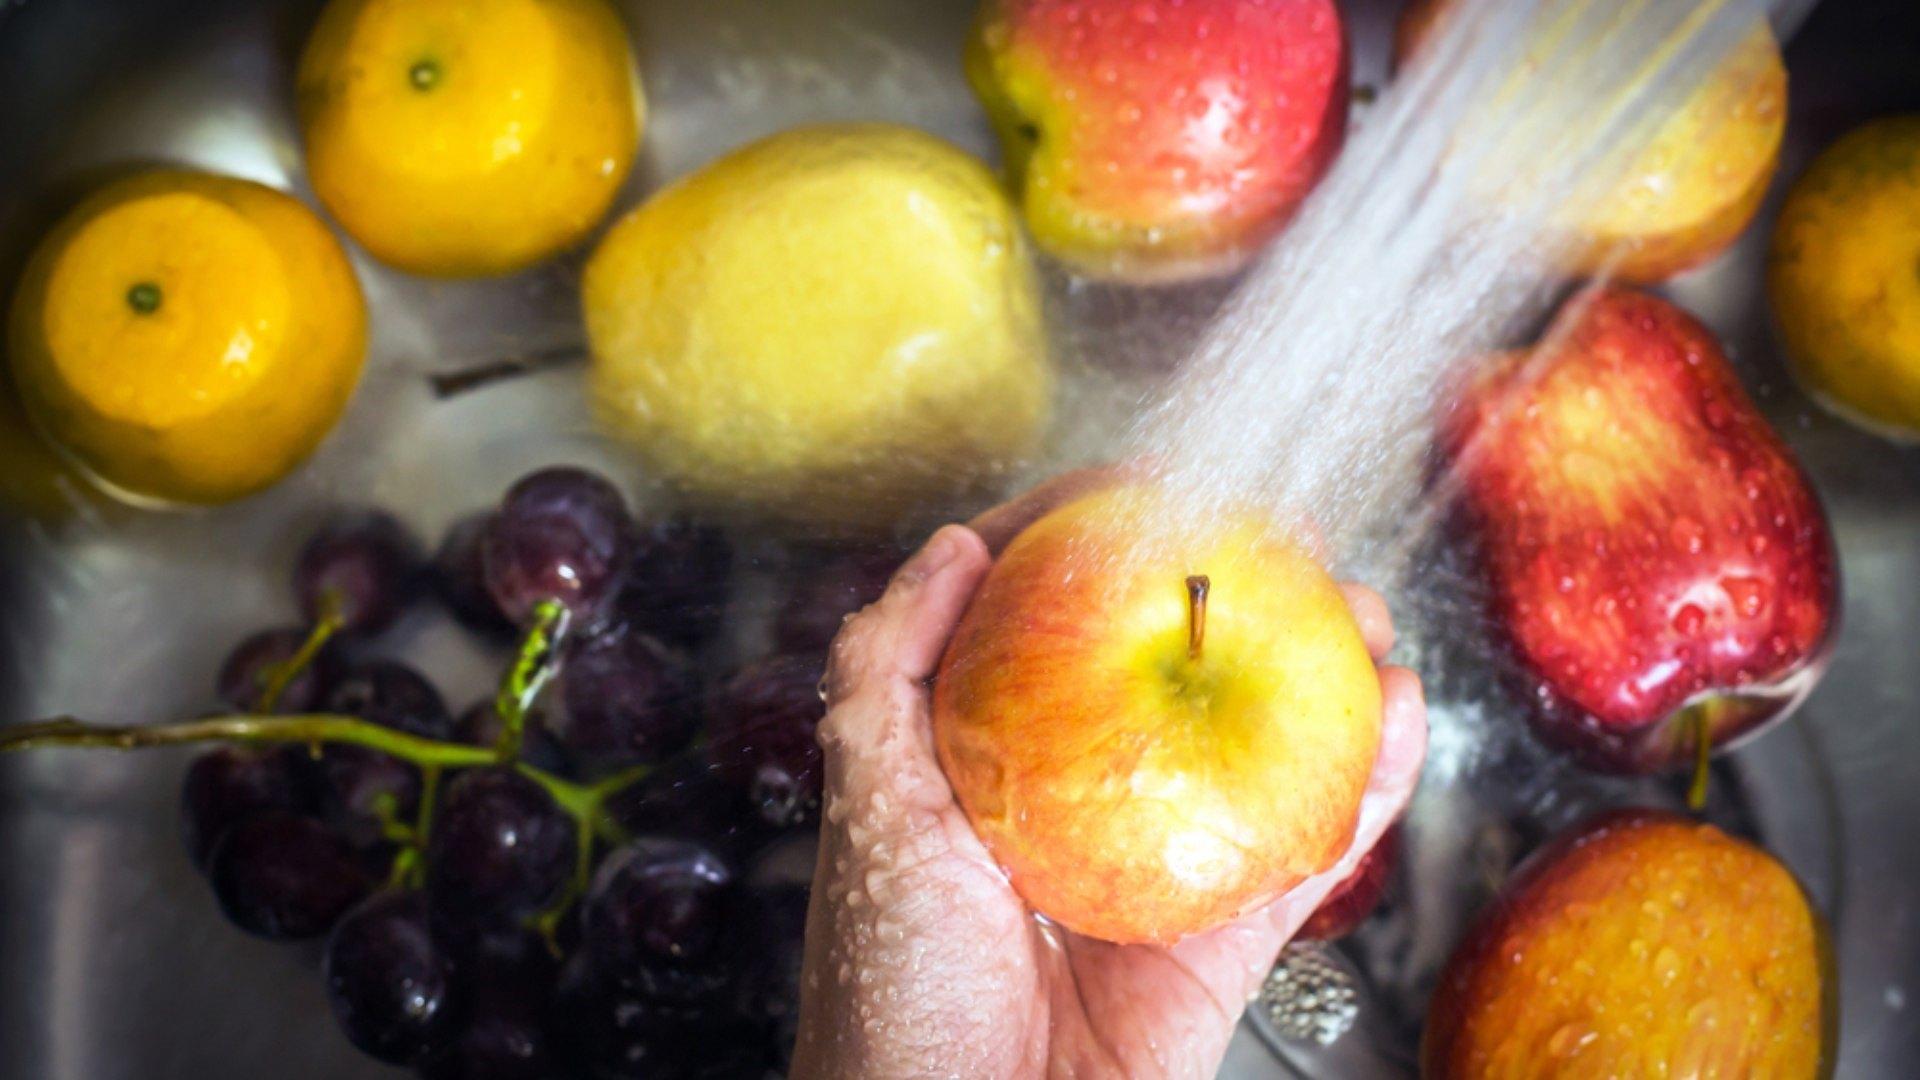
(284, 877)
(1701, 176)
(363, 562)
(500, 848)
(183, 337)
(562, 534)
(391, 985)
(468, 137)
(1843, 276)
(831, 325)
(1647, 540)
(1639, 944)
(1132, 791)
(1156, 141)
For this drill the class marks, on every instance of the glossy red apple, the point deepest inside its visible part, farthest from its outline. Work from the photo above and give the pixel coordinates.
(1156, 725)
(1161, 139)
(1654, 555)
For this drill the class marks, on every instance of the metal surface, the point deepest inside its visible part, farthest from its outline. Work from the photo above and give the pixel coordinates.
(114, 962)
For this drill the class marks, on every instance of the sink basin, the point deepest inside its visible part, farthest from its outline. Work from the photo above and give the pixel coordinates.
(114, 962)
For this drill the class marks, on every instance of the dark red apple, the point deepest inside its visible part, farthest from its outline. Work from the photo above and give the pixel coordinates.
(1654, 556)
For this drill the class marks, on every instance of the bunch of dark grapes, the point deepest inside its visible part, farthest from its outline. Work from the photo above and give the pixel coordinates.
(462, 938)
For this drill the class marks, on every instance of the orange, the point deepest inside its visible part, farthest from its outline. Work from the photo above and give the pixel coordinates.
(1844, 276)
(184, 337)
(460, 138)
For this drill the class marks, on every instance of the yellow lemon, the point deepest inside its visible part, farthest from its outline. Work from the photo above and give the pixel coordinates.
(186, 337)
(466, 137)
(831, 324)
(1844, 276)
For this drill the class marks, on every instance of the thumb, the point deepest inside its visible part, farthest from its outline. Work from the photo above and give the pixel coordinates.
(877, 724)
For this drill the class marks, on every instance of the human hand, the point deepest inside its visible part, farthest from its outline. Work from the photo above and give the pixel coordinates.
(921, 960)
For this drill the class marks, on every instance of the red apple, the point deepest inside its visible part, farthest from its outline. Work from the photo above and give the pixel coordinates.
(1639, 944)
(1161, 139)
(1157, 725)
(1353, 900)
(1654, 555)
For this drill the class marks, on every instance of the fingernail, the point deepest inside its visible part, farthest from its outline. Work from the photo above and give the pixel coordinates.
(931, 559)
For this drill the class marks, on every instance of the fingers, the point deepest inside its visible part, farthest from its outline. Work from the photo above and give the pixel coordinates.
(1390, 787)
(904, 632)
(1001, 524)
(1376, 623)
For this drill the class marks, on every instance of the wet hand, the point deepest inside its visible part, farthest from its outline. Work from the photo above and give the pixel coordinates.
(921, 960)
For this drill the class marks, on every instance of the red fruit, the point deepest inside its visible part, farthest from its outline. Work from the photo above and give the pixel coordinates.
(1156, 139)
(1351, 901)
(1655, 557)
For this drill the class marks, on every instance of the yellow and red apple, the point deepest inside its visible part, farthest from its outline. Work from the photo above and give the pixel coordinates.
(1638, 944)
(1155, 728)
(1154, 139)
(1695, 183)
(1653, 553)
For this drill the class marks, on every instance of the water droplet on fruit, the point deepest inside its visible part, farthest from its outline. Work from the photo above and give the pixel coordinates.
(1688, 620)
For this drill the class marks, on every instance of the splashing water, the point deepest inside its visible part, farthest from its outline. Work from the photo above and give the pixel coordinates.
(1436, 237)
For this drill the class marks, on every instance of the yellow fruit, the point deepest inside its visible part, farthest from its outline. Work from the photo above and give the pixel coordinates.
(1695, 187)
(33, 479)
(186, 337)
(829, 324)
(1844, 276)
(467, 137)
(1692, 189)
(1640, 944)
(1148, 755)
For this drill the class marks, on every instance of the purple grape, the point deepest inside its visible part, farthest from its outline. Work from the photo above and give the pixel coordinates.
(361, 789)
(562, 534)
(481, 725)
(228, 785)
(688, 798)
(655, 900)
(504, 1038)
(391, 694)
(771, 951)
(459, 576)
(243, 675)
(761, 724)
(284, 877)
(367, 562)
(500, 849)
(828, 587)
(677, 583)
(627, 698)
(613, 1032)
(391, 985)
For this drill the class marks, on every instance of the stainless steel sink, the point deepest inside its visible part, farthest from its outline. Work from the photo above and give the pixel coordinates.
(114, 962)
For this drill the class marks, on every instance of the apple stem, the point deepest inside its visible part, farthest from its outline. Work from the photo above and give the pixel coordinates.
(1702, 762)
(1197, 586)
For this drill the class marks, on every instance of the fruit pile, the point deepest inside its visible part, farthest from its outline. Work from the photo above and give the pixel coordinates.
(545, 883)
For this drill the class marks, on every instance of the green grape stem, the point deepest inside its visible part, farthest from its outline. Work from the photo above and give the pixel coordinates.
(275, 679)
(536, 665)
(584, 803)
